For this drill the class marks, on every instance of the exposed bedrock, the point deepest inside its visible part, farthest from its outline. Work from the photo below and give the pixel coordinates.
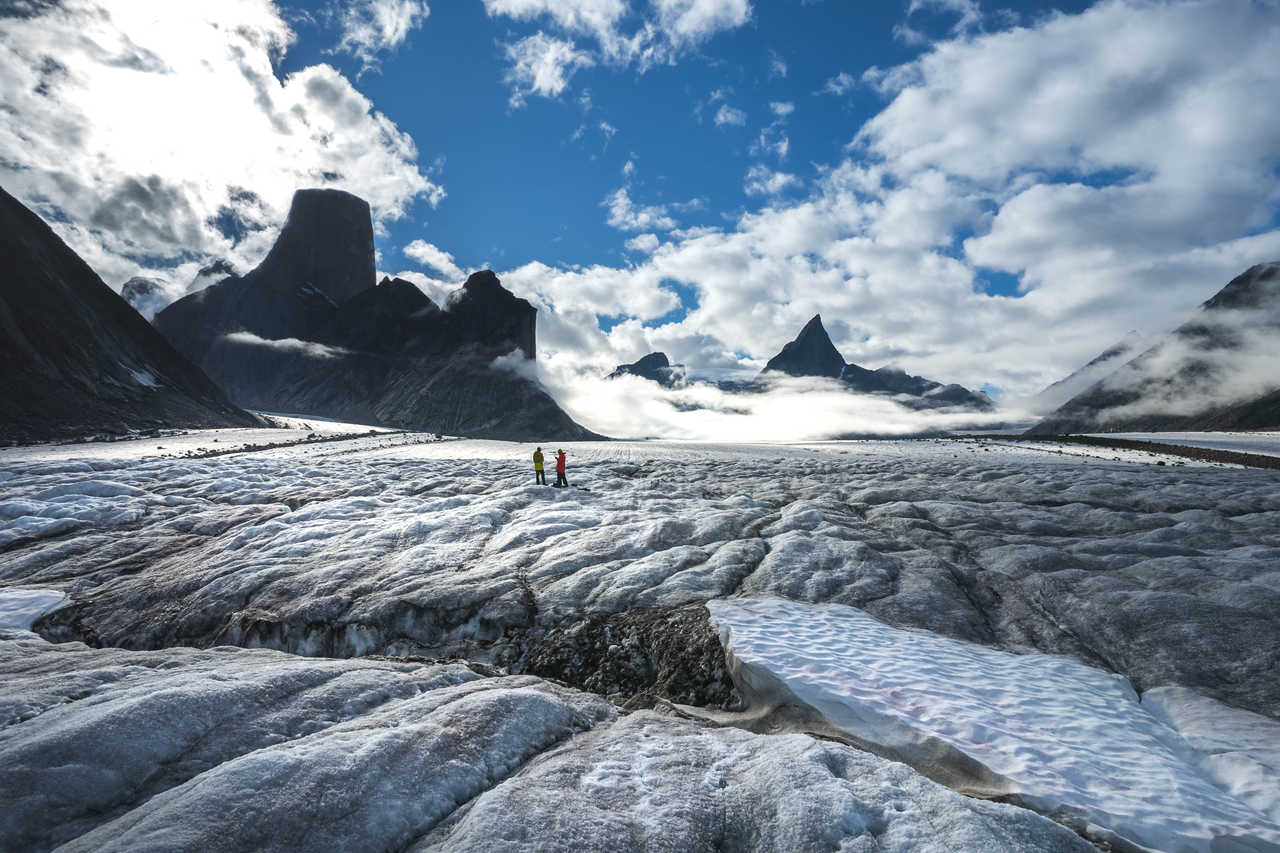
(1165, 575)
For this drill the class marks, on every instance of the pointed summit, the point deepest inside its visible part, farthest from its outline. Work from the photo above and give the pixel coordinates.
(810, 354)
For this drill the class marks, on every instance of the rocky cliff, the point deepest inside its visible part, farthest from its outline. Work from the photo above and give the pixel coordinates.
(309, 332)
(75, 358)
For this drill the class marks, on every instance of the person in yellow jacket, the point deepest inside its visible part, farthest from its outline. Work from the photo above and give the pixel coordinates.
(537, 467)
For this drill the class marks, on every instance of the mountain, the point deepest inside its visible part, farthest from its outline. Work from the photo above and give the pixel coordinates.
(1055, 395)
(810, 354)
(308, 331)
(813, 354)
(1215, 371)
(75, 358)
(654, 367)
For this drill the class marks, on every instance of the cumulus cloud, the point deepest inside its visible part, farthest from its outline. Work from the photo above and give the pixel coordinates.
(437, 259)
(311, 349)
(730, 115)
(625, 215)
(372, 27)
(156, 136)
(542, 65)
(782, 109)
(592, 32)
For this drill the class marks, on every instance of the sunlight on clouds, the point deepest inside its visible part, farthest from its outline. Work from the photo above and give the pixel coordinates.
(234, 141)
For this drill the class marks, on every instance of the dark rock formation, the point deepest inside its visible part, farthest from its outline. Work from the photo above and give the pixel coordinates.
(146, 295)
(810, 354)
(326, 244)
(813, 354)
(1216, 371)
(655, 367)
(309, 332)
(75, 358)
(639, 656)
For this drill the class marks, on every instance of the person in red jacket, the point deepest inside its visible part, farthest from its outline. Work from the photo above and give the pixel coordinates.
(561, 479)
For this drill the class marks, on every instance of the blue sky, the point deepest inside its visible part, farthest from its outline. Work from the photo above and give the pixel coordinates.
(988, 194)
(528, 183)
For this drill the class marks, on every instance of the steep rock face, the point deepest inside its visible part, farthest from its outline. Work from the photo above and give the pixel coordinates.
(75, 358)
(655, 367)
(326, 243)
(1216, 371)
(484, 312)
(810, 354)
(322, 258)
(297, 335)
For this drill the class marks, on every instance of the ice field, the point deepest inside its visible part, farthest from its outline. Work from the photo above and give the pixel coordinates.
(1085, 633)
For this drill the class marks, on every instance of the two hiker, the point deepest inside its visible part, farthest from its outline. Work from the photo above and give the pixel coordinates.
(561, 479)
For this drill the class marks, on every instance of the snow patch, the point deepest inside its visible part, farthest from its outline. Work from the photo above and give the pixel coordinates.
(1063, 733)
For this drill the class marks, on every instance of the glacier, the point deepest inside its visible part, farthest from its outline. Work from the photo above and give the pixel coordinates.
(263, 638)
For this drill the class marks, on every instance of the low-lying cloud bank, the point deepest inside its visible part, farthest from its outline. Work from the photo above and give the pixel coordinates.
(791, 409)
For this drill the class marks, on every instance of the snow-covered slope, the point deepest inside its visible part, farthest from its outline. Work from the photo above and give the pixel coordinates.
(1058, 733)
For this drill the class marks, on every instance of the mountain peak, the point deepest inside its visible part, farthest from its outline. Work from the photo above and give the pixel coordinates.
(1256, 287)
(810, 354)
(326, 242)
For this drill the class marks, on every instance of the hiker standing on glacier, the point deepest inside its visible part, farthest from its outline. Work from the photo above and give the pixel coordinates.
(561, 479)
(539, 474)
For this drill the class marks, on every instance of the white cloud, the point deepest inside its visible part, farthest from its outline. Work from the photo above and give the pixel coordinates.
(643, 243)
(689, 22)
(625, 215)
(542, 65)
(371, 27)
(429, 255)
(629, 169)
(109, 133)
(782, 109)
(589, 32)
(730, 115)
(307, 348)
(764, 181)
(597, 18)
(841, 84)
